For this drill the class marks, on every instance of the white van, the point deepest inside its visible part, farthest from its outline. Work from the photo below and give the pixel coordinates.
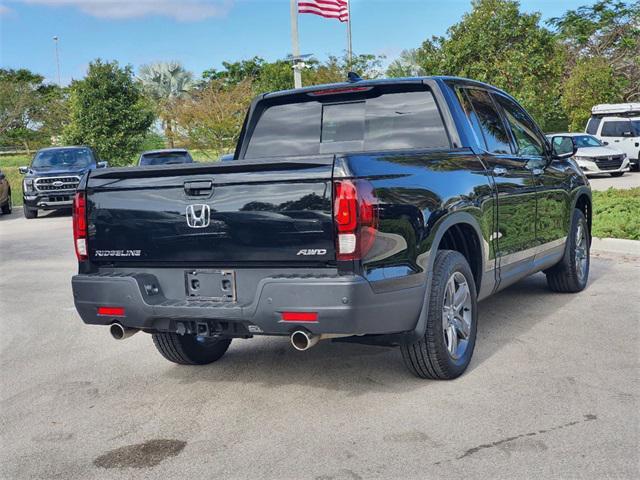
(618, 125)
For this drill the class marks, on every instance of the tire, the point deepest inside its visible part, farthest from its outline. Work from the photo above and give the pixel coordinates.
(617, 174)
(30, 212)
(188, 350)
(571, 274)
(430, 356)
(7, 208)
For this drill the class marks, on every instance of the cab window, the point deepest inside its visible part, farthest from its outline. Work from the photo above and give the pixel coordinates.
(485, 120)
(524, 131)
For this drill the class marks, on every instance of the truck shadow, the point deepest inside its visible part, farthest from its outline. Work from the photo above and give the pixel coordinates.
(358, 369)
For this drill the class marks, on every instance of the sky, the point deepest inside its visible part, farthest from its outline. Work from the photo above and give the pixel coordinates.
(203, 33)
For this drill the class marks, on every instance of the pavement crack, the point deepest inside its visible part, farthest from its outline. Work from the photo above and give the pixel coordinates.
(586, 418)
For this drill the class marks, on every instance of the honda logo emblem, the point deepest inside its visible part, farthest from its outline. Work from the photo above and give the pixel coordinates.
(198, 216)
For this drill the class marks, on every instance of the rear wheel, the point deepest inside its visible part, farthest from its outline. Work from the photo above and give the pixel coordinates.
(445, 350)
(7, 208)
(30, 212)
(190, 349)
(617, 174)
(572, 273)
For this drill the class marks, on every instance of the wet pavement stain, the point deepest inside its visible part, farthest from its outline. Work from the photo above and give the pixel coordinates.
(141, 455)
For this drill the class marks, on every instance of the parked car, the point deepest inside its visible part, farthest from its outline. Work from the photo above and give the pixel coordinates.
(374, 212)
(170, 156)
(592, 156)
(5, 195)
(52, 177)
(618, 125)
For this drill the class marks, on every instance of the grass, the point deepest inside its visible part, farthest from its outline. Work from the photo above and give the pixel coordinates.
(616, 214)
(9, 165)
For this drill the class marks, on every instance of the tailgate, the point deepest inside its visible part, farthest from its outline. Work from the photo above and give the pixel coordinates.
(258, 212)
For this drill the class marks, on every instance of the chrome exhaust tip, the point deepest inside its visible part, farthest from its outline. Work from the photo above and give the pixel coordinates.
(301, 340)
(119, 332)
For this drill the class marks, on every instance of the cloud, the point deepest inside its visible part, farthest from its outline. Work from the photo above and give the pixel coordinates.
(183, 10)
(4, 10)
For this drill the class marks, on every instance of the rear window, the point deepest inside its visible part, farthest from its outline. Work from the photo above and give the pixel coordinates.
(371, 121)
(165, 158)
(618, 128)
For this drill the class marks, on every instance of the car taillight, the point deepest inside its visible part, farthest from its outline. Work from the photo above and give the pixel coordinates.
(80, 225)
(356, 219)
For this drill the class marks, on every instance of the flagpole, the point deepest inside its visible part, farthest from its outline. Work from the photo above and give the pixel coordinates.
(349, 36)
(297, 75)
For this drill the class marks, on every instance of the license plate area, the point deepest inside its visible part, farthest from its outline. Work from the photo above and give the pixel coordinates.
(214, 285)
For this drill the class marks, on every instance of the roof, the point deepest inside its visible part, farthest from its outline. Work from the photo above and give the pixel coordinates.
(165, 150)
(382, 81)
(569, 134)
(616, 108)
(70, 147)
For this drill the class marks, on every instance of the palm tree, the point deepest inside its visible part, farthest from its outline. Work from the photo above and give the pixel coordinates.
(166, 83)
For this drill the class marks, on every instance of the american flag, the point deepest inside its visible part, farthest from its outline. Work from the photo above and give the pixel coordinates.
(326, 8)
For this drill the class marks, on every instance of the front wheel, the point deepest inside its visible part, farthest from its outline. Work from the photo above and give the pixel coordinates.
(445, 350)
(30, 212)
(190, 349)
(572, 273)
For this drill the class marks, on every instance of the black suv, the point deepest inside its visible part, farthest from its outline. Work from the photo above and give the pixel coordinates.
(53, 176)
(374, 212)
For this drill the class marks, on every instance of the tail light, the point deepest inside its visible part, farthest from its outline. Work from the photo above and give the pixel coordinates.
(80, 225)
(355, 215)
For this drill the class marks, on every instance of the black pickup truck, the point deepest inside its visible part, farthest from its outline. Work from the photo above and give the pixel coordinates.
(50, 181)
(377, 212)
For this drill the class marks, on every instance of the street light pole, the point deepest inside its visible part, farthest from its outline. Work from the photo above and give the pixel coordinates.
(55, 40)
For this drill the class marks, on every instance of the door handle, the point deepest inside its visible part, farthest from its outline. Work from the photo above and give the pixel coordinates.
(198, 187)
(499, 171)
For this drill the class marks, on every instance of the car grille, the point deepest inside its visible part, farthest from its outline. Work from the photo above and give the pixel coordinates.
(50, 184)
(609, 163)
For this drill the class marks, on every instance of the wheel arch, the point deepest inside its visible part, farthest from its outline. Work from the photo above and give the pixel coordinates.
(458, 222)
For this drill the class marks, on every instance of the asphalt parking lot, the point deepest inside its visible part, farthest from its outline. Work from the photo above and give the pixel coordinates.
(604, 182)
(553, 390)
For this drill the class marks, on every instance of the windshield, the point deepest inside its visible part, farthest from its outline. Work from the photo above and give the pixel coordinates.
(64, 158)
(168, 158)
(586, 141)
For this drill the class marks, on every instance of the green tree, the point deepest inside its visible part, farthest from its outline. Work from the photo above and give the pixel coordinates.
(498, 44)
(592, 81)
(407, 65)
(109, 112)
(32, 112)
(166, 83)
(603, 56)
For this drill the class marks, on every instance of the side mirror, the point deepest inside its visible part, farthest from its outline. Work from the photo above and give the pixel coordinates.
(103, 164)
(2, 175)
(23, 170)
(563, 147)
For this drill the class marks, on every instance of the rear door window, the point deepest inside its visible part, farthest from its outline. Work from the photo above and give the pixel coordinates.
(375, 121)
(483, 116)
(617, 128)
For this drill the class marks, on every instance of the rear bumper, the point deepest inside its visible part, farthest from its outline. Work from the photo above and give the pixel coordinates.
(345, 305)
